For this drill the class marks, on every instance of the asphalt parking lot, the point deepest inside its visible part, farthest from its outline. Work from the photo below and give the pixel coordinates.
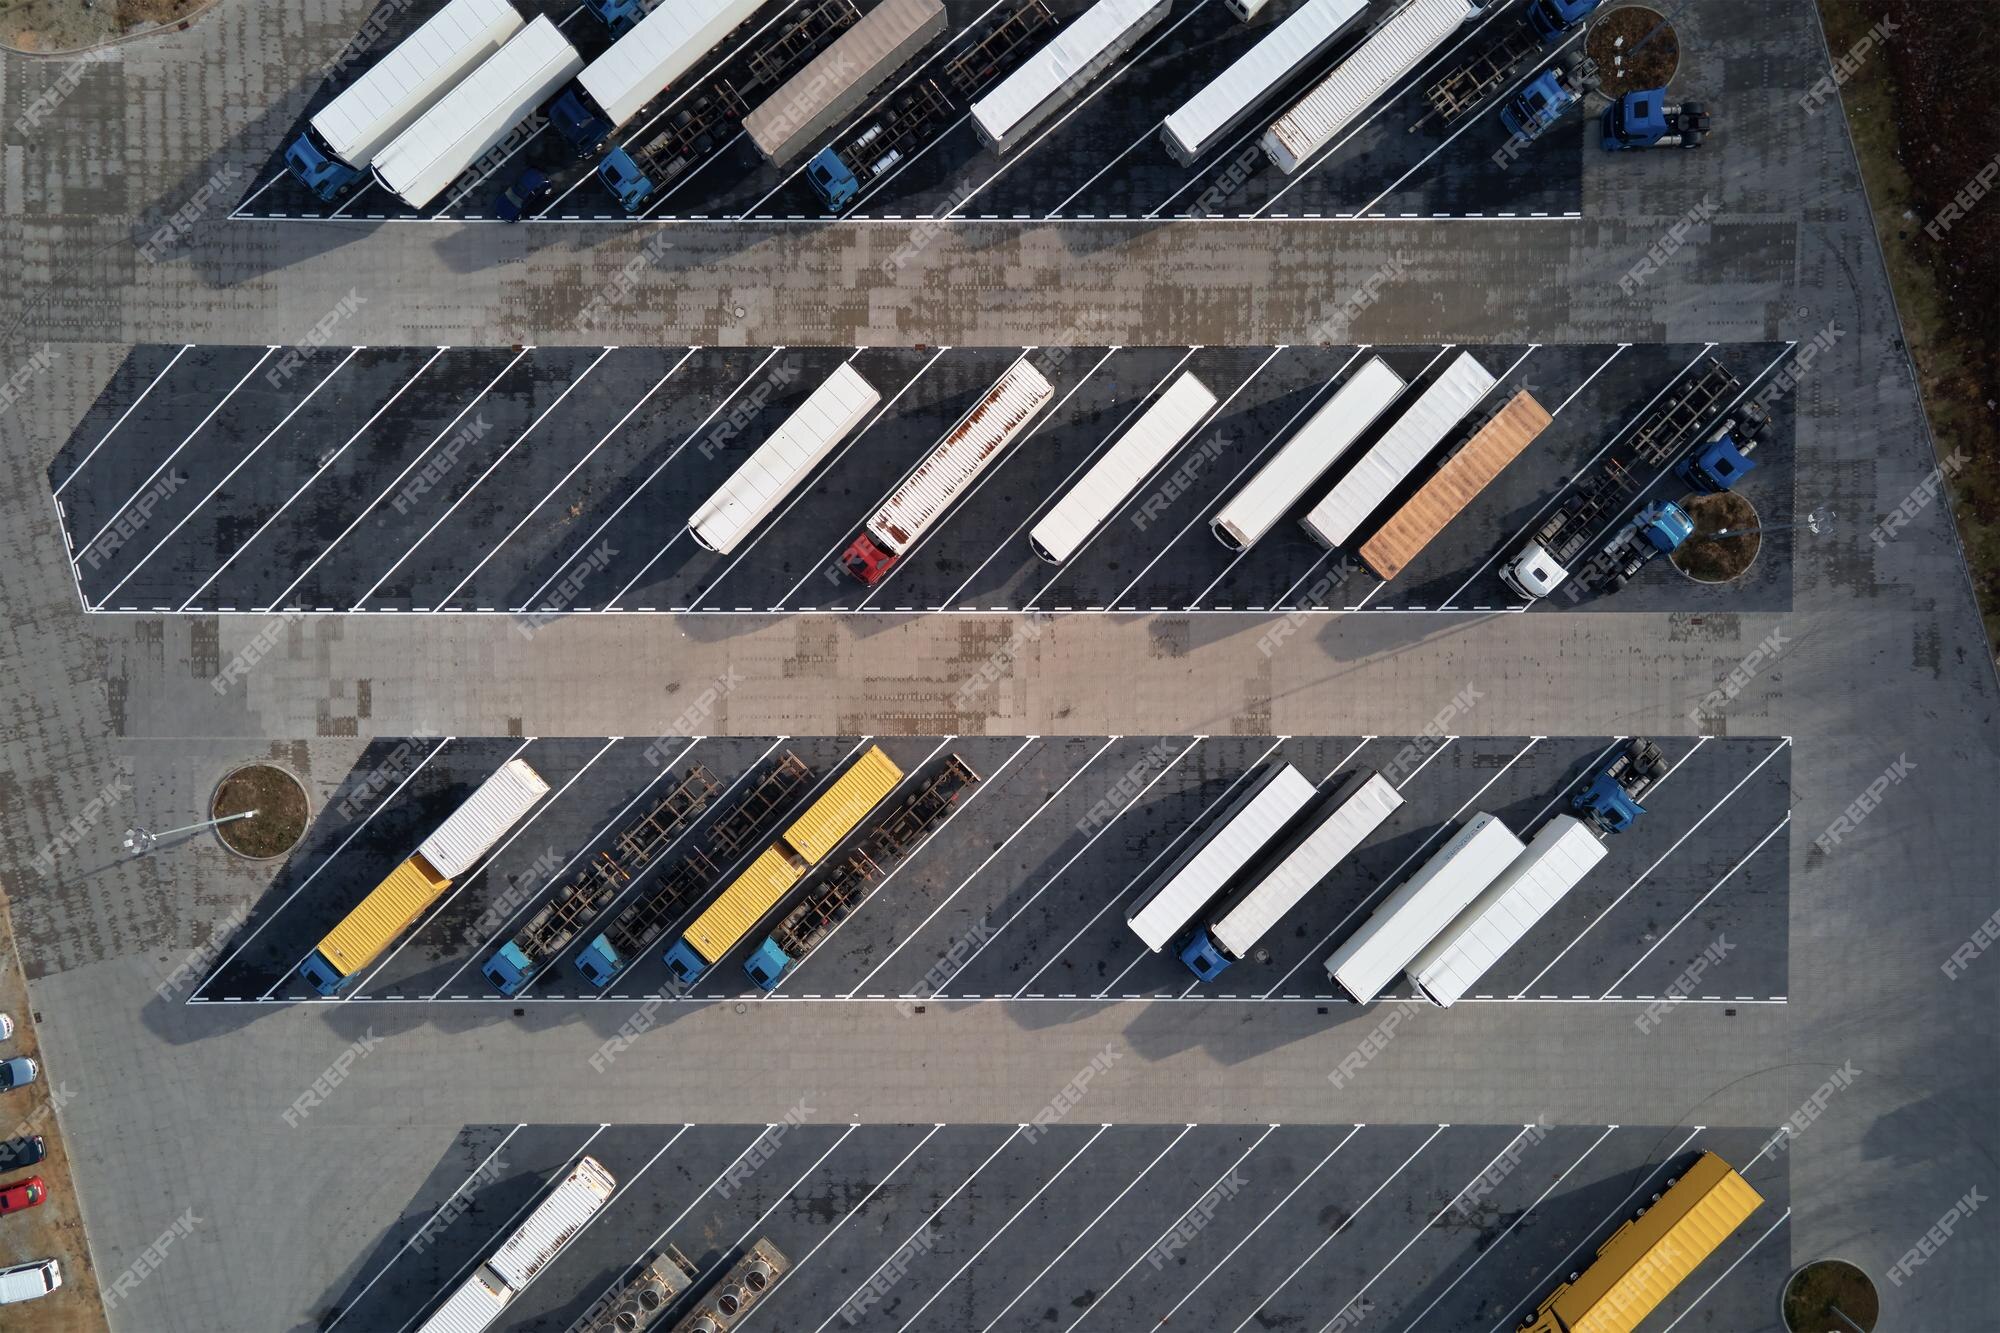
(1100, 158)
(1019, 895)
(982, 1228)
(545, 481)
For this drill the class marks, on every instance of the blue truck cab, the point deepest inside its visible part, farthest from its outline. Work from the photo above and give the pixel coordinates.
(831, 179)
(1204, 957)
(598, 962)
(1665, 526)
(1722, 462)
(624, 178)
(1538, 105)
(621, 16)
(1647, 120)
(318, 169)
(767, 964)
(1609, 806)
(321, 975)
(1552, 18)
(686, 965)
(578, 119)
(509, 969)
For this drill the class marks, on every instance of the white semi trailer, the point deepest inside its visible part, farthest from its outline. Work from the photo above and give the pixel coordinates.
(1205, 866)
(1257, 75)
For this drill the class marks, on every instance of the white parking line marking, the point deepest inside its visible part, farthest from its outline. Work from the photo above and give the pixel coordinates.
(1698, 1301)
(1041, 1190)
(480, 480)
(1018, 830)
(332, 856)
(935, 1213)
(1616, 352)
(506, 1228)
(1575, 1249)
(535, 508)
(422, 454)
(154, 475)
(1612, 905)
(237, 467)
(85, 460)
(362, 1295)
(1393, 876)
(1333, 1235)
(320, 471)
(1102, 1213)
(1697, 906)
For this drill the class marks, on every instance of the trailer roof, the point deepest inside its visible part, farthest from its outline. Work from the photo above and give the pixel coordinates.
(1315, 857)
(834, 72)
(1452, 487)
(1113, 477)
(1225, 849)
(662, 47)
(399, 87)
(1395, 47)
(828, 820)
(493, 808)
(782, 461)
(1071, 50)
(1258, 72)
(554, 1223)
(964, 452)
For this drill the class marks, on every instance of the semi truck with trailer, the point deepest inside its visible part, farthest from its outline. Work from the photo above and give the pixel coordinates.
(640, 66)
(902, 125)
(1410, 439)
(1050, 77)
(477, 114)
(1110, 481)
(1256, 815)
(1557, 858)
(1316, 446)
(701, 123)
(825, 905)
(617, 15)
(1508, 43)
(1301, 861)
(341, 140)
(546, 933)
(643, 920)
(477, 1304)
(1454, 485)
(454, 847)
(1610, 800)
(967, 449)
(782, 462)
(1422, 906)
(840, 78)
(1651, 1253)
(1202, 122)
(1397, 45)
(807, 841)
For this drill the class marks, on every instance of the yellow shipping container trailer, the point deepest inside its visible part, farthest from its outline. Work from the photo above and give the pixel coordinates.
(834, 815)
(390, 908)
(743, 904)
(1650, 1255)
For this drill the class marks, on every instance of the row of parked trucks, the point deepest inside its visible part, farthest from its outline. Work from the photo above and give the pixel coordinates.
(474, 73)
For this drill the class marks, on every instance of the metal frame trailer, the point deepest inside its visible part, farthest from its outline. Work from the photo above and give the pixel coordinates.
(1477, 78)
(576, 904)
(1669, 427)
(999, 48)
(749, 815)
(634, 171)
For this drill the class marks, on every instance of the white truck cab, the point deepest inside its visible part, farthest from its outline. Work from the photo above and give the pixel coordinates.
(1534, 572)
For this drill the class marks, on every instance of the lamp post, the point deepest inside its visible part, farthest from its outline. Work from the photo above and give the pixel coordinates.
(139, 841)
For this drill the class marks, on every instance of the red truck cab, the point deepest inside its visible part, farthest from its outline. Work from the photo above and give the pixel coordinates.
(867, 561)
(22, 1194)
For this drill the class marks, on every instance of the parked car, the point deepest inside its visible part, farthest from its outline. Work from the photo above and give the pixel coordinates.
(29, 1281)
(18, 1072)
(22, 1194)
(24, 1151)
(6, 1026)
(530, 190)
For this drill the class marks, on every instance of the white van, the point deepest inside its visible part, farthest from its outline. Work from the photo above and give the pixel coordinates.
(29, 1282)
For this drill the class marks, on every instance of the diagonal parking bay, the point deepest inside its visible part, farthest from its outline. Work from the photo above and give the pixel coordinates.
(1020, 894)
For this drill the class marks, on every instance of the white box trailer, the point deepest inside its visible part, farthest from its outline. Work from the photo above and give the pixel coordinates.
(1112, 478)
(1205, 866)
(827, 416)
(1428, 901)
(1395, 48)
(1561, 854)
(839, 78)
(1050, 77)
(1231, 96)
(554, 1224)
(1316, 446)
(475, 1307)
(495, 806)
(1245, 10)
(1407, 443)
(402, 85)
(1305, 859)
(467, 122)
(966, 450)
(664, 46)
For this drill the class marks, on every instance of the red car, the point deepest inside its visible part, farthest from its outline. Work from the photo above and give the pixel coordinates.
(25, 1194)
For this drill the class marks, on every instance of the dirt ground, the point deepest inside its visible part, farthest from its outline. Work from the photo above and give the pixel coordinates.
(71, 25)
(54, 1229)
(1634, 48)
(1923, 105)
(1820, 1289)
(280, 804)
(1709, 561)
